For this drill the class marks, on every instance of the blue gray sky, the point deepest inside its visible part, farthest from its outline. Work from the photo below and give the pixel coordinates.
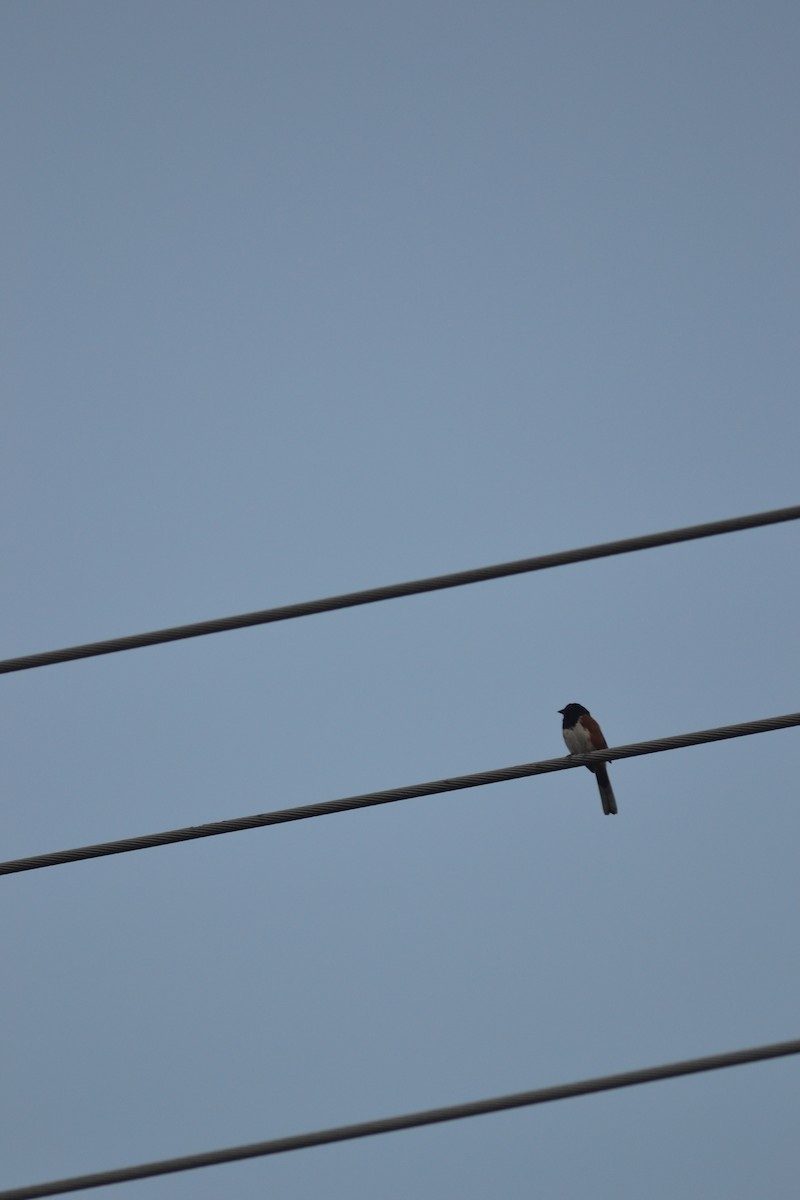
(303, 298)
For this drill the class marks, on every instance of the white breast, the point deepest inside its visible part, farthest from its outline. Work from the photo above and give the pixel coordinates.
(578, 740)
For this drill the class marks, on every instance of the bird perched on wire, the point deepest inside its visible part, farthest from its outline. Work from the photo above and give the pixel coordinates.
(582, 734)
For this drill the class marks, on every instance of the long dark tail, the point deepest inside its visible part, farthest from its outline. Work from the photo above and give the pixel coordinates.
(606, 792)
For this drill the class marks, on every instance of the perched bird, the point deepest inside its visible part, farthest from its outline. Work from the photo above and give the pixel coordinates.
(582, 735)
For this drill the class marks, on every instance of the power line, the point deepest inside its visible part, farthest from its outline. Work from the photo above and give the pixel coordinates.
(394, 591)
(414, 1120)
(372, 799)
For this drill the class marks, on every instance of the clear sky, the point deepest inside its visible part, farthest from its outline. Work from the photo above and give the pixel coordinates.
(306, 297)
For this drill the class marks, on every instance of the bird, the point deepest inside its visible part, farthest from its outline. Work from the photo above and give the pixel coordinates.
(582, 734)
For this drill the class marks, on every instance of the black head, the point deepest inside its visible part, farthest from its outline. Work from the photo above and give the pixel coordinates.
(572, 713)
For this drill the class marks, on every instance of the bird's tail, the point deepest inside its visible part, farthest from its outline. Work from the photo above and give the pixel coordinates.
(606, 792)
